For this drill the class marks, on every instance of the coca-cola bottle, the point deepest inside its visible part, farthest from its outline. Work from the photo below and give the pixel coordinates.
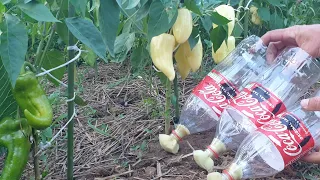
(261, 101)
(275, 145)
(203, 107)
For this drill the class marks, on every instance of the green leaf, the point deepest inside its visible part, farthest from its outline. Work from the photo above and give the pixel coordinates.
(143, 146)
(51, 2)
(47, 132)
(264, 14)
(2, 9)
(8, 104)
(194, 37)
(158, 19)
(192, 6)
(109, 19)
(4, 2)
(85, 31)
(89, 57)
(173, 99)
(34, 33)
(79, 101)
(80, 6)
(13, 47)
(53, 59)
(234, 2)
(275, 2)
(38, 12)
(138, 58)
(170, 7)
(219, 20)
(237, 30)
(53, 97)
(61, 28)
(276, 22)
(64, 7)
(132, 4)
(123, 44)
(62, 31)
(143, 10)
(206, 23)
(217, 36)
(127, 26)
(163, 78)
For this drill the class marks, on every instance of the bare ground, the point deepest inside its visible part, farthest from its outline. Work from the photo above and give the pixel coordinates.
(116, 134)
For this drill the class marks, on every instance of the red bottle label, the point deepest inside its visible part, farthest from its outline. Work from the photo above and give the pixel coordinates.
(216, 91)
(289, 135)
(258, 104)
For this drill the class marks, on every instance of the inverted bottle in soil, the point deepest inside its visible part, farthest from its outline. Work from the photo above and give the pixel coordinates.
(261, 101)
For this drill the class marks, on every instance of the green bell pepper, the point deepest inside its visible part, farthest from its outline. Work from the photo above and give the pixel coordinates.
(14, 135)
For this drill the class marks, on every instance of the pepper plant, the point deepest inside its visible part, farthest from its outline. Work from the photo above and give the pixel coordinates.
(38, 38)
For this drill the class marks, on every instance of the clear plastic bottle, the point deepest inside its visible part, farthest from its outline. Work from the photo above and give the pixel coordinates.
(258, 103)
(204, 106)
(275, 145)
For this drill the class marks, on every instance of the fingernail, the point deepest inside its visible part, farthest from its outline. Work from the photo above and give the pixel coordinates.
(304, 103)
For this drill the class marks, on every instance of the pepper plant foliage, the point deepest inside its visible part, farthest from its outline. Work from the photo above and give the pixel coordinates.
(110, 30)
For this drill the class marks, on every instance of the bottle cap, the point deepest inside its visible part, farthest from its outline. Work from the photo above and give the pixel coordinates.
(214, 176)
(202, 158)
(170, 142)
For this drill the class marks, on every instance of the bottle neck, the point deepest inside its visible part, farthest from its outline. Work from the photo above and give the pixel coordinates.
(226, 176)
(216, 148)
(180, 132)
(233, 172)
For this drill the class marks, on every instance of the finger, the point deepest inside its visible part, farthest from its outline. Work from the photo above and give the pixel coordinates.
(274, 50)
(312, 104)
(286, 36)
(271, 53)
(314, 157)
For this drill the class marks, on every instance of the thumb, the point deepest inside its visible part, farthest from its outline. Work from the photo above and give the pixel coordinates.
(312, 104)
(313, 157)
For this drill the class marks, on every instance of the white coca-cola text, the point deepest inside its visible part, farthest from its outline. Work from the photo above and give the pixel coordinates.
(292, 147)
(214, 95)
(245, 99)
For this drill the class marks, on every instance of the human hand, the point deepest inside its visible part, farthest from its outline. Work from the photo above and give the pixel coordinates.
(312, 104)
(313, 157)
(303, 36)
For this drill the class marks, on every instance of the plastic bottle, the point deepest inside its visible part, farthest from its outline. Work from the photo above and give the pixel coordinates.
(275, 145)
(280, 87)
(203, 107)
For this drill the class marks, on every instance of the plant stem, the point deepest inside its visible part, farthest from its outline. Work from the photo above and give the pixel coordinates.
(39, 59)
(167, 107)
(35, 157)
(47, 46)
(238, 13)
(91, 13)
(71, 54)
(53, 29)
(96, 70)
(246, 22)
(39, 49)
(176, 93)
